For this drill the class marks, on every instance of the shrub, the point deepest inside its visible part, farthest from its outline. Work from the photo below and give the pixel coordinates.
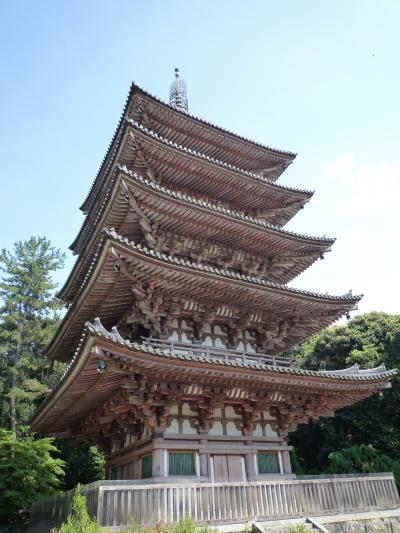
(28, 472)
(79, 520)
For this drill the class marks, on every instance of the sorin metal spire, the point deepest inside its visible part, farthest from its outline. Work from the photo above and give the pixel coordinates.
(178, 93)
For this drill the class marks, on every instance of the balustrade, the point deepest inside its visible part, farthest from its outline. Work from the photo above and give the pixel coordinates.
(115, 503)
(219, 353)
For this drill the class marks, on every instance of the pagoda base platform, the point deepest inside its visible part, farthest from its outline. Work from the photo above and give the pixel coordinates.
(115, 502)
(175, 458)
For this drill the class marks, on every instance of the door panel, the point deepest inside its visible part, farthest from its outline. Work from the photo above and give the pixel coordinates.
(221, 468)
(228, 468)
(235, 469)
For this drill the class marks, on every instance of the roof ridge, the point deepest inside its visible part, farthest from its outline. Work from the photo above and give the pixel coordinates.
(228, 211)
(110, 232)
(213, 160)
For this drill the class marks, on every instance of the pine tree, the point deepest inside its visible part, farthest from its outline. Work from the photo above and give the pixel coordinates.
(28, 318)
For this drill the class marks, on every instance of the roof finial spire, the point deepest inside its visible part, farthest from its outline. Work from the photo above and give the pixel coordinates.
(178, 93)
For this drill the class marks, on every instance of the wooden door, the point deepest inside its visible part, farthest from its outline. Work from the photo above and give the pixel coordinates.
(228, 468)
(235, 468)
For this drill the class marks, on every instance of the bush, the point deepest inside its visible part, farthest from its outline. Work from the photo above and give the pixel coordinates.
(28, 472)
(300, 528)
(364, 459)
(79, 520)
(184, 525)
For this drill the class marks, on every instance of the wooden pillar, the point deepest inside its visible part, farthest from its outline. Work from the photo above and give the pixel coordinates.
(203, 464)
(135, 468)
(204, 460)
(158, 463)
(286, 465)
(249, 464)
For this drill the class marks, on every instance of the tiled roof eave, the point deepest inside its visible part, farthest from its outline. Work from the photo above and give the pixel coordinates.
(117, 134)
(138, 248)
(287, 155)
(328, 241)
(169, 354)
(96, 330)
(111, 238)
(86, 231)
(232, 168)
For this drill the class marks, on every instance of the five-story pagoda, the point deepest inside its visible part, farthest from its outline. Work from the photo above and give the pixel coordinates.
(178, 308)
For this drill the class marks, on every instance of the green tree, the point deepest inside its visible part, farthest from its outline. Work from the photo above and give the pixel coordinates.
(84, 463)
(368, 340)
(28, 472)
(364, 459)
(28, 318)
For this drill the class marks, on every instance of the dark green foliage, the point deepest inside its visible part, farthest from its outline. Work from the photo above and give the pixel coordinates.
(368, 340)
(365, 459)
(28, 318)
(84, 463)
(29, 315)
(28, 472)
(297, 464)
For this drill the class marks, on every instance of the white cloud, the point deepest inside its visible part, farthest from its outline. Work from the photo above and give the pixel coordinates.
(359, 205)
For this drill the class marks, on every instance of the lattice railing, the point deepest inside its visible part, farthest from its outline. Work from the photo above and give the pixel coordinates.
(219, 353)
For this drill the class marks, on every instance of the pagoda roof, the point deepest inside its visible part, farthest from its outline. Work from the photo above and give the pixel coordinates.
(195, 133)
(191, 216)
(82, 389)
(183, 168)
(106, 292)
(195, 124)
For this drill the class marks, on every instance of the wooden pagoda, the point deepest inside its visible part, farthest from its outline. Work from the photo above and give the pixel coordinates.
(179, 312)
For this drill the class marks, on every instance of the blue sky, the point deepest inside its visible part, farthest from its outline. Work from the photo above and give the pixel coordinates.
(321, 78)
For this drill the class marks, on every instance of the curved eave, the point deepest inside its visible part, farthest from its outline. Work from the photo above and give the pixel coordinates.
(273, 239)
(282, 154)
(112, 297)
(195, 201)
(135, 89)
(247, 190)
(167, 143)
(81, 389)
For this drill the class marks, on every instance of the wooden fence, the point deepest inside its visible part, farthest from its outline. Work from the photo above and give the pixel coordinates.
(115, 503)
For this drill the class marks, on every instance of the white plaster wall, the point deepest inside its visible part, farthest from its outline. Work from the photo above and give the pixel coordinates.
(186, 411)
(173, 427)
(231, 430)
(218, 330)
(187, 428)
(216, 429)
(230, 413)
(219, 343)
(269, 432)
(207, 341)
(174, 337)
(184, 337)
(258, 432)
(207, 328)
